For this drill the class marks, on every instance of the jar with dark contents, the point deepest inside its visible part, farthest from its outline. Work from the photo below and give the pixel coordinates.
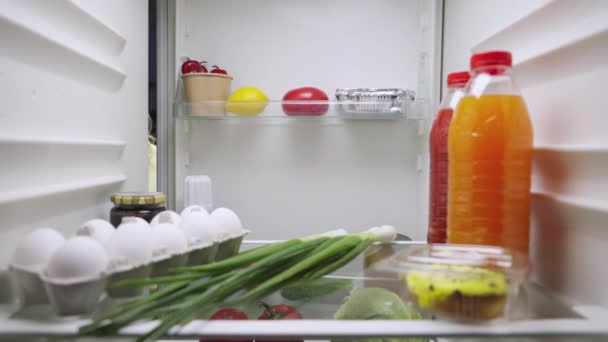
(139, 204)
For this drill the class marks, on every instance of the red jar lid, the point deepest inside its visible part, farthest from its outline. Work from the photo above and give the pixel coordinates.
(491, 58)
(458, 77)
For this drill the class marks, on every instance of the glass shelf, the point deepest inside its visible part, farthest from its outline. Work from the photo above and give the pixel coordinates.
(301, 110)
(538, 315)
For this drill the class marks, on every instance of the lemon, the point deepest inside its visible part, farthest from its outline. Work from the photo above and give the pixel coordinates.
(247, 101)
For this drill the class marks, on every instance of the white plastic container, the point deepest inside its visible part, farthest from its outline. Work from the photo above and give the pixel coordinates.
(198, 191)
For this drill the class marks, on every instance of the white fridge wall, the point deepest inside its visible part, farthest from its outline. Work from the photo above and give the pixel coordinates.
(279, 45)
(560, 53)
(73, 119)
(287, 179)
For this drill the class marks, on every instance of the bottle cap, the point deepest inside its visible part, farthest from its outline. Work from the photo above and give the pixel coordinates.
(460, 77)
(491, 58)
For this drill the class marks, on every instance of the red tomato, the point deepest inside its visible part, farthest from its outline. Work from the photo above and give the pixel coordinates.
(229, 314)
(305, 94)
(279, 312)
(217, 70)
(191, 66)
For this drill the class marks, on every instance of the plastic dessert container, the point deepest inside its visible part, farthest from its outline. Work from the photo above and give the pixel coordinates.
(461, 282)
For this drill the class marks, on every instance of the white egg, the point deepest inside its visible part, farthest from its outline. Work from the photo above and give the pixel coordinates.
(200, 228)
(169, 237)
(100, 230)
(80, 257)
(36, 248)
(168, 216)
(134, 219)
(194, 209)
(141, 225)
(131, 242)
(228, 221)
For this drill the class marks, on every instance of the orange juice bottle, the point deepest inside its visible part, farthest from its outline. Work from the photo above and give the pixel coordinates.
(490, 164)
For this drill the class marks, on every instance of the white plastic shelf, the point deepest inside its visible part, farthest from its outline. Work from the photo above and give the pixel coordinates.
(305, 110)
(544, 316)
(326, 329)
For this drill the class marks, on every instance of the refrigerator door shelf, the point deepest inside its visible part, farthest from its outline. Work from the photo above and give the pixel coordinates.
(300, 110)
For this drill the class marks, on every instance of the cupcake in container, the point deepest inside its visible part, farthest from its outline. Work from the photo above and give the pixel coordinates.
(30, 257)
(131, 250)
(169, 243)
(202, 233)
(462, 282)
(75, 276)
(231, 232)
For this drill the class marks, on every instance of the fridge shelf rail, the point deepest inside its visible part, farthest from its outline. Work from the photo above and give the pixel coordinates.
(326, 329)
(295, 110)
(539, 315)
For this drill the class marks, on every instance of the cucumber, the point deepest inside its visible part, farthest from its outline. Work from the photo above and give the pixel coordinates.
(315, 288)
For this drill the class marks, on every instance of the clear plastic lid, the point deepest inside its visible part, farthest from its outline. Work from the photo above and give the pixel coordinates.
(464, 282)
(492, 257)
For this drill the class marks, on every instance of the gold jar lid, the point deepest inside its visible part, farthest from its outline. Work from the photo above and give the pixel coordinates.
(138, 198)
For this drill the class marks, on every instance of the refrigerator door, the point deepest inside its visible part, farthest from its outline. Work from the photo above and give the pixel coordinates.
(73, 117)
(560, 51)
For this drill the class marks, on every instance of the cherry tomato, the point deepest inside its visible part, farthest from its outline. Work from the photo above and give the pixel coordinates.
(227, 314)
(217, 70)
(191, 66)
(279, 312)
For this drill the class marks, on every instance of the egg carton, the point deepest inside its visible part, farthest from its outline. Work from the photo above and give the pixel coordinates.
(119, 271)
(162, 266)
(75, 297)
(230, 246)
(202, 253)
(28, 285)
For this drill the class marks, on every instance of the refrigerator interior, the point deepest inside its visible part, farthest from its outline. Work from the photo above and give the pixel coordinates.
(78, 133)
(288, 177)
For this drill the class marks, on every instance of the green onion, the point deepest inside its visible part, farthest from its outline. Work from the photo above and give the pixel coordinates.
(157, 280)
(193, 292)
(272, 284)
